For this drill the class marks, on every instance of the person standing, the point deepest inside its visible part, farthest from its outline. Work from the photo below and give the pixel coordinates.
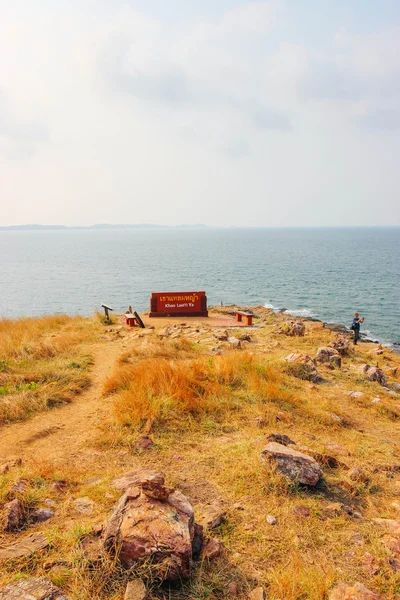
(356, 327)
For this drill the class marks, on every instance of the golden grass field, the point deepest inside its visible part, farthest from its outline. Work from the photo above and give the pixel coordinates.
(97, 390)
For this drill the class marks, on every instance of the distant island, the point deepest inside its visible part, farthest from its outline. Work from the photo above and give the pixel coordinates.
(35, 227)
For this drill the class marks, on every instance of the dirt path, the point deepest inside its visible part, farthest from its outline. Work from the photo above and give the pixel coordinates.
(61, 433)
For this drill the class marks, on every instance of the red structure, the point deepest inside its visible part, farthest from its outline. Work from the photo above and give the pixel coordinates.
(178, 304)
(248, 316)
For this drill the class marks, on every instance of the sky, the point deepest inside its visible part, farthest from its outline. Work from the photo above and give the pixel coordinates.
(224, 112)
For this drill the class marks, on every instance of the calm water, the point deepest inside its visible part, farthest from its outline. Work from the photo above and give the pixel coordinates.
(326, 273)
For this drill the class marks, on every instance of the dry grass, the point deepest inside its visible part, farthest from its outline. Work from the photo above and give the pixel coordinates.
(43, 363)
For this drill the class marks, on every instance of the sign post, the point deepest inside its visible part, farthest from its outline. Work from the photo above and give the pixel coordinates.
(178, 304)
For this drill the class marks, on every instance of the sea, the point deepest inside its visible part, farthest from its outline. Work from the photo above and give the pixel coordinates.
(324, 273)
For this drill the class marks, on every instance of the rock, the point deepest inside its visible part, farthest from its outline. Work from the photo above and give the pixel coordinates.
(391, 524)
(301, 511)
(392, 544)
(328, 355)
(135, 590)
(293, 328)
(232, 589)
(257, 594)
(32, 588)
(42, 514)
(294, 465)
(144, 442)
(24, 547)
(83, 506)
(134, 478)
(376, 401)
(22, 485)
(60, 485)
(280, 438)
(356, 474)
(374, 374)
(303, 367)
(14, 515)
(271, 520)
(370, 564)
(342, 345)
(245, 337)
(352, 592)
(212, 516)
(212, 549)
(160, 530)
(234, 342)
(353, 394)
(7, 466)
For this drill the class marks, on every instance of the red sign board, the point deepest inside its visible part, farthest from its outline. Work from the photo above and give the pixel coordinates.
(178, 304)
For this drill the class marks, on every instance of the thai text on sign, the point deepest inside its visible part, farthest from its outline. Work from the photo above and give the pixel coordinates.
(178, 304)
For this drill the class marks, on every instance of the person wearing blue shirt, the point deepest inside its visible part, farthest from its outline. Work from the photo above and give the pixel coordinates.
(356, 327)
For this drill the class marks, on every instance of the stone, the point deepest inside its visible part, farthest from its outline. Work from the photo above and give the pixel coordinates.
(303, 367)
(42, 514)
(294, 465)
(328, 355)
(271, 520)
(370, 564)
(374, 374)
(357, 474)
(144, 442)
(354, 394)
(232, 589)
(212, 516)
(135, 590)
(301, 511)
(60, 485)
(20, 486)
(32, 588)
(234, 342)
(212, 549)
(376, 400)
(280, 438)
(83, 506)
(395, 385)
(14, 515)
(294, 328)
(134, 478)
(392, 544)
(390, 524)
(257, 594)
(160, 530)
(24, 547)
(342, 345)
(352, 592)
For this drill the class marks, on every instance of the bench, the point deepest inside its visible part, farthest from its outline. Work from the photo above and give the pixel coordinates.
(248, 316)
(130, 319)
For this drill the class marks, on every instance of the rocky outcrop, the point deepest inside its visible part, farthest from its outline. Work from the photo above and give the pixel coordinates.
(34, 542)
(303, 367)
(33, 588)
(328, 355)
(294, 465)
(152, 522)
(342, 345)
(352, 592)
(212, 515)
(374, 374)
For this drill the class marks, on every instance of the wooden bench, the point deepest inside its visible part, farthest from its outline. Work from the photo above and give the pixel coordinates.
(248, 316)
(106, 309)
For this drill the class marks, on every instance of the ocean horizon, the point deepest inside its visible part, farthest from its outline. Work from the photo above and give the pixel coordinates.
(321, 272)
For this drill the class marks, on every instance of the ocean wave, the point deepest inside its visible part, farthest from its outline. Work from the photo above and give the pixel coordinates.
(295, 312)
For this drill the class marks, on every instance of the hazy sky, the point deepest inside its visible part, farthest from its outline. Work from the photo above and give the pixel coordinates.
(275, 112)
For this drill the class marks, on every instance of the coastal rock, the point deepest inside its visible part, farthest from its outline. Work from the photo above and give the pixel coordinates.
(342, 345)
(303, 367)
(83, 506)
(357, 474)
(212, 549)
(294, 328)
(271, 520)
(14, 515)
(32, 588)
(352, 592)
(152, 522)
(280, 438)
(42, 514)
(294, 465)
(257, 594)
(144, 442)
(136, 476)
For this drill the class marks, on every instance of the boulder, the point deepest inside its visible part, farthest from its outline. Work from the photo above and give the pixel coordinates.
(135, 590)
(135, 477)
(280, 438)
(357, 474)
(303, 367)
(352, 592)
(32, 588)
(294, 465)
(294, 328)
(14, 515)
(152, 522)
(42, 514)
(325, 354)
(374, 374)
(257, 594)
(342, 345)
